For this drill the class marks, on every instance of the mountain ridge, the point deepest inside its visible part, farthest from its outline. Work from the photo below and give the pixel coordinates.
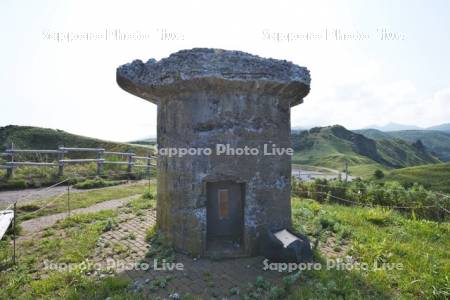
(38, 138)
(437, 142)
(333, 146)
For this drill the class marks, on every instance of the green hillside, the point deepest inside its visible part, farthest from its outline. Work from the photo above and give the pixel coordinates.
(27, 137)
(435, 176)
(437, 142)
(334, 145)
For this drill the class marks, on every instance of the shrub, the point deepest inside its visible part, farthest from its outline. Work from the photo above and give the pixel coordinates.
(148, 195)
(424, 203)
(96, 183)
(379, 216)
(13, 184)
(378, 174)
(150, 233)
(110, 225)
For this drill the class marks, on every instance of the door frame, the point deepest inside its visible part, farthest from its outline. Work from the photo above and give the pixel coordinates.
(242, 186)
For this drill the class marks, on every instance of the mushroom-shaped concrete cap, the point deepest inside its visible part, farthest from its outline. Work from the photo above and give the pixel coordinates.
(203, 69)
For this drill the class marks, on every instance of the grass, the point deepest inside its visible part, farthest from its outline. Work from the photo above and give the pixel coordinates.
(376, 236)
(313, 168)
(146, 201)
(77, 200)
(27, 137)
(74, 244)
(435, 177)
(371, 235)
(37, 177)
(97, 183)
(366, 170)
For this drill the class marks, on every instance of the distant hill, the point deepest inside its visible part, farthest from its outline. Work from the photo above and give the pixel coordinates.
(400, 127)
(437, 142)
(442, 127)
(27, 137)
(394, 127)
(334, 145)
(435, 176)
(148, 141)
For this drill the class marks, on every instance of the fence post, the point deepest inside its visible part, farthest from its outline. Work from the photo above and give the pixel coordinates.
(148, 163)
(68, 199)
(60, 164)
(130, 164)
(9, 171)
(99, 163)
(14, 234)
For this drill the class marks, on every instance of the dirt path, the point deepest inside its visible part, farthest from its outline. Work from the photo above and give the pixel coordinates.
(30, 195)
(38, 224)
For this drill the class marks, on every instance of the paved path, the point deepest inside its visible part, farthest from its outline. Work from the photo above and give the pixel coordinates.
(30, 195)
(40, 223)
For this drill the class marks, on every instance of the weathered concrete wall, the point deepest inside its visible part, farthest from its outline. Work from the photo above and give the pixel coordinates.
(246, 107)
(203, 120)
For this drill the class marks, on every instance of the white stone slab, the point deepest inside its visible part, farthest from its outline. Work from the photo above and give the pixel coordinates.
(285, 237)
(6, 217)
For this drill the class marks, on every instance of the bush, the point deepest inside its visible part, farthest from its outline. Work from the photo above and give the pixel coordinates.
(150, 233)
(96, 183)
(148, 195)
(378, 174)
(379, 216)
(13, 184)
(415, 200)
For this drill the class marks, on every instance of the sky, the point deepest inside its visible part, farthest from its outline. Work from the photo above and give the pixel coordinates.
(371, 62)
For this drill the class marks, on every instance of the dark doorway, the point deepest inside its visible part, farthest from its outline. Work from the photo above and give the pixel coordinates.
(224, 218)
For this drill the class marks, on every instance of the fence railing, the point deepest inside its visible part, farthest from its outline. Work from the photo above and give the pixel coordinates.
(132, 160)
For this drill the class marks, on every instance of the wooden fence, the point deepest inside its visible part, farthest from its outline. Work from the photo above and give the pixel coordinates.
(61, 161)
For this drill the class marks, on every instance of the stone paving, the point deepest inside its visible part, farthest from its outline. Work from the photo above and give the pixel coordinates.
(125, 245)
(38, 224)
(119, 250)
(206, 279)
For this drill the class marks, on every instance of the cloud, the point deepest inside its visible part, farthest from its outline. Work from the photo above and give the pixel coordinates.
(366, 103)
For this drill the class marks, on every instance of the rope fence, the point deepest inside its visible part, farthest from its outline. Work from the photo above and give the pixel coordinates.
(365, 188)
(372, 205)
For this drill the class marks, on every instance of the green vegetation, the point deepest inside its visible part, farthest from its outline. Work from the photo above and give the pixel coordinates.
(161, 248)
(411, 201)
(96, 183)
(147, 142)
(406, 258)
(378, 174)
(334, 146)
(27, 137)
(376, 236)
(147, 200)
(77, 200)
(34, 177)
(435, 177)
(75, 244)
(437, 142)
(151, 233)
